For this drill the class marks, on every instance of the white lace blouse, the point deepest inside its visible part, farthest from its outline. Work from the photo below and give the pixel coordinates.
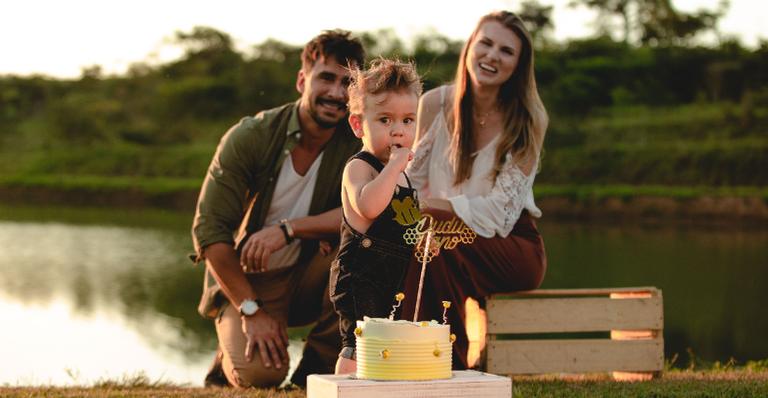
(488, 208)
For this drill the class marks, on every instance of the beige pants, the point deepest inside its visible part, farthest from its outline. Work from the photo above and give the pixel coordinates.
(296, 296)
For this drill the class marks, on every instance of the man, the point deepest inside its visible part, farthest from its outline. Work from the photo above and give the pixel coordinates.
(271, 193)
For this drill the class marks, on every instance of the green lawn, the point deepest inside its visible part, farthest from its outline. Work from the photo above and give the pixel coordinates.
(747, 381)
(159, 185)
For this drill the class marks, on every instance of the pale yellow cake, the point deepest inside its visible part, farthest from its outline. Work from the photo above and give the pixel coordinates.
(402, 350)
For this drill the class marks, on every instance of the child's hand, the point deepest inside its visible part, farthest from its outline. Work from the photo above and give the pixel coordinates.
(399, 157)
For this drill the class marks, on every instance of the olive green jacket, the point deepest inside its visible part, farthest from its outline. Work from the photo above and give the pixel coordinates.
(238, 187)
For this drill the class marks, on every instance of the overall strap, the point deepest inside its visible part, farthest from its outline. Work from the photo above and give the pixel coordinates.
(368, 157)
(408, 180)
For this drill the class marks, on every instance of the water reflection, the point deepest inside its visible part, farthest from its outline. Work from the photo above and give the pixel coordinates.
(53, 344)
(101, 293)
(108, 300)
(136, 272)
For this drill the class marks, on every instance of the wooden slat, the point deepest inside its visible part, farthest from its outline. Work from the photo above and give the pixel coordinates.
(589, 314)
(574, 356)
(576, 292)
(464, 383)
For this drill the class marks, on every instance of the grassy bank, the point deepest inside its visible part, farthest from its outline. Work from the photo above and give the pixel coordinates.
(98, 183)
(594, 192)
(100, 191)
(701, 143)
(164, 185)
(747, 381)
(558, 201)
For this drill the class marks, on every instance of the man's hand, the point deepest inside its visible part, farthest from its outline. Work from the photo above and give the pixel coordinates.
(269, 336)
(255, 254)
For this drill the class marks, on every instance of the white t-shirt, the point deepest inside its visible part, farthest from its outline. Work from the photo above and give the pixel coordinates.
(489, 208)
(291, 199)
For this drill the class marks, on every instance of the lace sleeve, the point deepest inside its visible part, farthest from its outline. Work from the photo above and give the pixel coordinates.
(497, 212)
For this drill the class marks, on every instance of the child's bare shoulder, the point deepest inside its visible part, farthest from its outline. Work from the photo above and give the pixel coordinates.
(359, 170)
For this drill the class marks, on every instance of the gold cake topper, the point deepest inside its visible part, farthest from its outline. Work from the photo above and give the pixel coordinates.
(445, 234)
(399, 297)
(446, 305)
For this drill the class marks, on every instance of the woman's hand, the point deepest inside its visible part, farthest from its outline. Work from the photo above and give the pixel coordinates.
(256, 251)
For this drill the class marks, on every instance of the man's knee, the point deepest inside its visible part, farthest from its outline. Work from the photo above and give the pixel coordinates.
(243, 373)
(254, 374)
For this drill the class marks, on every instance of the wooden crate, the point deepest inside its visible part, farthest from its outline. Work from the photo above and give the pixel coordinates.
(633, 316)
(464, 383)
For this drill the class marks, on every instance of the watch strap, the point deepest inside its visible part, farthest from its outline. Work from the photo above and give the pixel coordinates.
(287, 231)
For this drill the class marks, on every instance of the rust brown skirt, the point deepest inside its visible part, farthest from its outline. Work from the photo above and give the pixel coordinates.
(487, 266)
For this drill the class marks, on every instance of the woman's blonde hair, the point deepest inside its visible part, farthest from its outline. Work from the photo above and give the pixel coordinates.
(524, 116)
(382, 75)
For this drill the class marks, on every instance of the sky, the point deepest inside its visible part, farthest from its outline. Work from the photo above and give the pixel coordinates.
(59, 38)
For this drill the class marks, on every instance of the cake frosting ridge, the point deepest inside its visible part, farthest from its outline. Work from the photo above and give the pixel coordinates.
(402, 350)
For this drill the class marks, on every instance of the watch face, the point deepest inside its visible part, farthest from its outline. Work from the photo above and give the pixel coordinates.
(248, 307)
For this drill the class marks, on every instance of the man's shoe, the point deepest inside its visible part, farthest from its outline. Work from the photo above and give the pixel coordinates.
(215, 376)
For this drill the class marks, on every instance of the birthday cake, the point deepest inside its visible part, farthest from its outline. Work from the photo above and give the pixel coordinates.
(402, 350)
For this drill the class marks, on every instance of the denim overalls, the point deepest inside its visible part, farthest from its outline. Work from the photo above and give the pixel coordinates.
(370, 266)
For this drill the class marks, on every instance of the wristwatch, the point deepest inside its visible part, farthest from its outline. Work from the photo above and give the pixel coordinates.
(249, 307)
(285, 226)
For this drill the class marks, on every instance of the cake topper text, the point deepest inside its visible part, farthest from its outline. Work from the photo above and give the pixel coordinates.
(446, 234)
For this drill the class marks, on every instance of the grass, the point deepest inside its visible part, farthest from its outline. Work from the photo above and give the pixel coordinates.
(703, 143)
(159, 185)
(750, 380)
(673, 384)
(150, 185)
(621, 191)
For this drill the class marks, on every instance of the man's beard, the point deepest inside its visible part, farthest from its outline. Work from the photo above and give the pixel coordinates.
(324, 123)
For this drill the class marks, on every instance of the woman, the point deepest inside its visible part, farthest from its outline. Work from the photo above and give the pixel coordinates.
(476, 155)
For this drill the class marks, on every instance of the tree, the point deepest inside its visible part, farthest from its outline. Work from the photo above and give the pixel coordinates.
(203, 38)
(538, 20)
(382, 42)
(661, 24)
(608, 8)
(654, 22)
(275, 50)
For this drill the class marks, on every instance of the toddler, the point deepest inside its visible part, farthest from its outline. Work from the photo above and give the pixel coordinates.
(378, 201)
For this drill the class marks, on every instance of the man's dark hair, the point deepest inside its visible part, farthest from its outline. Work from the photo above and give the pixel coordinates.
(333, 43)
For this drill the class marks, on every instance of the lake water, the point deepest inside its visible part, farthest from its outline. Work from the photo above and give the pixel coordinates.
(94, 294)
